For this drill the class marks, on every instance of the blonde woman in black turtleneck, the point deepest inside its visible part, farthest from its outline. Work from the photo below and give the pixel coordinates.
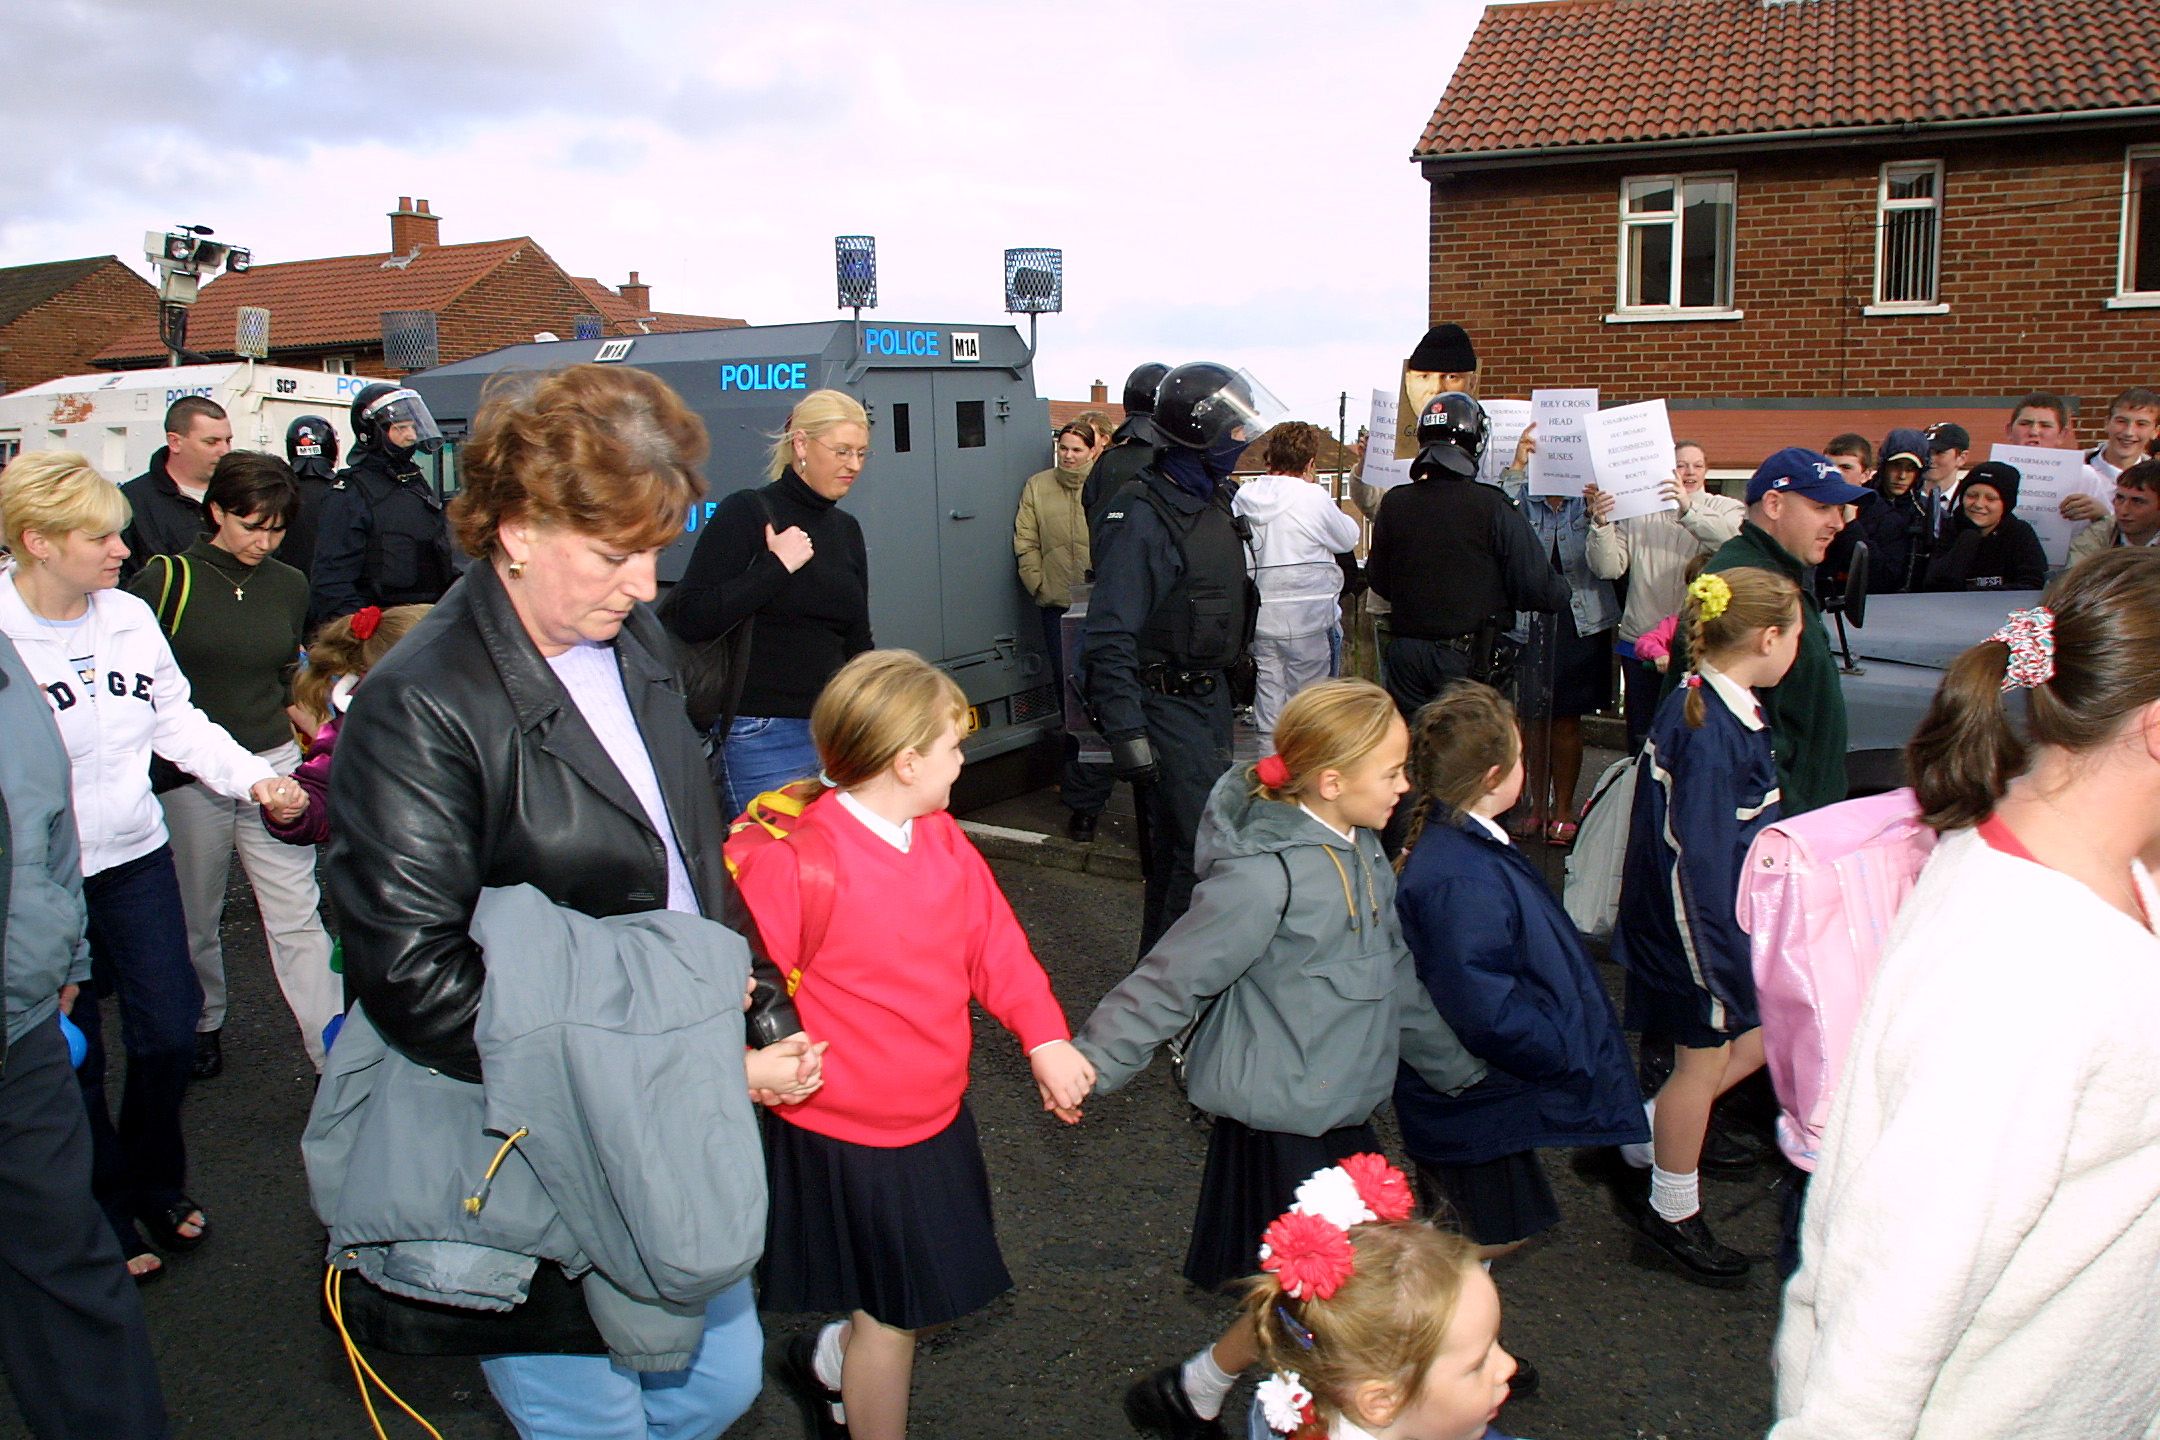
(786, 558)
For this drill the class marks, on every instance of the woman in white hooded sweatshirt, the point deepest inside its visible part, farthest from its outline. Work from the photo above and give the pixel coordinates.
(1298, 530)
(1983, 1232)
(117, 695)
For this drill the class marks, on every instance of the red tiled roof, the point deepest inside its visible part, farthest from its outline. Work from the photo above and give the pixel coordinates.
(333, 301)
(1064, 412)
(1569, 73)
(623, 318)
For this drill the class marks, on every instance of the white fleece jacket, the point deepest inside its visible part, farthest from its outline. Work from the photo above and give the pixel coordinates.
(117, 695)
(1297, 533)
(1981, 1255)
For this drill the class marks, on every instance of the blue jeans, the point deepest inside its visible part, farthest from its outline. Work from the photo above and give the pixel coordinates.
(590, 1397)
(764, 752)
(139, 956)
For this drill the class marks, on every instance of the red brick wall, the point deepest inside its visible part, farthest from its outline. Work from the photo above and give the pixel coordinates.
(58, 337)
(1527, 260)
(519, 298)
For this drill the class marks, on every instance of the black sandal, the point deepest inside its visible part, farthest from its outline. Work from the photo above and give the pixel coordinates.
(164, 1225)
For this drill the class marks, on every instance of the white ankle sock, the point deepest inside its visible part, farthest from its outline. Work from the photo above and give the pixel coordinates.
(831, 1350)
(1675, 1197)
(1206, 1384)
(1640, 1156)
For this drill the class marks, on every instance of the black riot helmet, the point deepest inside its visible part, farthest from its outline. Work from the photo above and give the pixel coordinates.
(1451, 435)
(1140, 387)
(380, 406)
(311, 447)
(1205, 406)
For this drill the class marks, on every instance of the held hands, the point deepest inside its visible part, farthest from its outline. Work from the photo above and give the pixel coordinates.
(1063, 1077)
(786, 1072)
(792, 545)
(1600, 504)
(282, 797)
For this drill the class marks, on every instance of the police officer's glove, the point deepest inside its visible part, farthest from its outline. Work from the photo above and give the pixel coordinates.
(1133, 759)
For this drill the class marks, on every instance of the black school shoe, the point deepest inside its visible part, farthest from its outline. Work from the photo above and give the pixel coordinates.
(1080, 825)
(209, 1055)
(1157, 1405)
(1729, 1154)
(820, 1403)
(1693, 1250)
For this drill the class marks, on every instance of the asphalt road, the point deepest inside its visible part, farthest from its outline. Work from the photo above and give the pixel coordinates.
(1093, 1220)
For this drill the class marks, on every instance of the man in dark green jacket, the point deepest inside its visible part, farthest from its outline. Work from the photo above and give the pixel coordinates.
(1796, 505)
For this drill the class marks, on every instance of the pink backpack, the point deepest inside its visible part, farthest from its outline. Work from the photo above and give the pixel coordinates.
(1817, 898)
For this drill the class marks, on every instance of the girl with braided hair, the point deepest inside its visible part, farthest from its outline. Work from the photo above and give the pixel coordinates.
(1707, 786)
(1507, 970)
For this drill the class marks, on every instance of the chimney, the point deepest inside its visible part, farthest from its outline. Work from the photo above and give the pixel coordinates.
(1098, 394)
(412, 227)
(638, 294)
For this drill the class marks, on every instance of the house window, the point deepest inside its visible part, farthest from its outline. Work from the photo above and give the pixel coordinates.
(2141, 222)
(338, 365)
(1676, 243)
(1908, 232)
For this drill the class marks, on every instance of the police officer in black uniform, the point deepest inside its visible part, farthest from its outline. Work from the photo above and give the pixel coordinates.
(1171, 617)
(383, 540)
(1454, 558)
(1130, 449)
(311, 448)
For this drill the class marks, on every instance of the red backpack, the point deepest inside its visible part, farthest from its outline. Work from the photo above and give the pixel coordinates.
(774, 818)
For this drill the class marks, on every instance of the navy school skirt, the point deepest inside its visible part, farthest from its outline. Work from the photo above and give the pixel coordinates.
(903, 1234)
(1250, 1179)
(1494, 1202)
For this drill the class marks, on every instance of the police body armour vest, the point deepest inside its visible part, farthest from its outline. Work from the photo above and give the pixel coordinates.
(1206, 620)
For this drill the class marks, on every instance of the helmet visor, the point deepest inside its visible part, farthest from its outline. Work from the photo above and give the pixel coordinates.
(1241, 410)
(401, 418)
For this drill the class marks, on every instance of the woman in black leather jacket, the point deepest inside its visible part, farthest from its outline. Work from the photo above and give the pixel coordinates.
(531, 731)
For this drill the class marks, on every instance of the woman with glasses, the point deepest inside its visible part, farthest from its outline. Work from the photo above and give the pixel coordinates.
(786, 560)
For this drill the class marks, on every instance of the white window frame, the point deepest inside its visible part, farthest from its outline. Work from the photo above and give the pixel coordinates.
(2126, 298)
(1885, 207)
(1625, 313)
(339, 365)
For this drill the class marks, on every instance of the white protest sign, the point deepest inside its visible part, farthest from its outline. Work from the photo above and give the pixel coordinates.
(1631, 450)
(2044, 477)
(1382, 470)
(1505, 421)
(1561, 463)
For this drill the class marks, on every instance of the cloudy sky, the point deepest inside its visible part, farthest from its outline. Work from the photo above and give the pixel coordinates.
(1227, 181)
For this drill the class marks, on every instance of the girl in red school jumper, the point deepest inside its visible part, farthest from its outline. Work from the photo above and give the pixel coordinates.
(880, 1201)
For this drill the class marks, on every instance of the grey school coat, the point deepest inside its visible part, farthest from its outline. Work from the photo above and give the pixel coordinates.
(617, 1045)
(1292, 935)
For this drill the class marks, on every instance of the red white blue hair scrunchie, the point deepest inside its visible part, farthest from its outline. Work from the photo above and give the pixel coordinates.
(2030, 634)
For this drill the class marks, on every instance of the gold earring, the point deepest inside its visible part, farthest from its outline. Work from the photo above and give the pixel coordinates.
(517, 569)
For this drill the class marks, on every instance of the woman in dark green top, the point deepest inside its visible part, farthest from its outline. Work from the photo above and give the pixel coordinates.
(236, 618)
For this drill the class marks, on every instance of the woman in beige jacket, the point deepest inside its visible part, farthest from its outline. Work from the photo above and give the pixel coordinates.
(1050, 539)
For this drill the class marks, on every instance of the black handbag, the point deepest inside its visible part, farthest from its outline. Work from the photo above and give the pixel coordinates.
(164, 775)
(713, 670)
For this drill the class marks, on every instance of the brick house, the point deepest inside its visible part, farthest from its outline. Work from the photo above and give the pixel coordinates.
(484, 295)
(1798, 217)
(55, 316)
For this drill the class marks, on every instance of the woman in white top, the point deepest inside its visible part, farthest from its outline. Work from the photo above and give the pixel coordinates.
(1297, 532)
(1983, 1234)
(117, 696)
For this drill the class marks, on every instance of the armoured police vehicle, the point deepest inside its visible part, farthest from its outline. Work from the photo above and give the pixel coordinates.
(955, 430)
(116, 419)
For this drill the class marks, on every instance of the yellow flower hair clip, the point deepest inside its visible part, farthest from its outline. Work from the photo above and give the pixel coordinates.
(1711, 595)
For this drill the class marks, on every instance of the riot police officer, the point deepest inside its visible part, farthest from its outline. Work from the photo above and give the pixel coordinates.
(1171, 618)
(1130, 448)
(311, 448)
(1454, 558)
(384, 540)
